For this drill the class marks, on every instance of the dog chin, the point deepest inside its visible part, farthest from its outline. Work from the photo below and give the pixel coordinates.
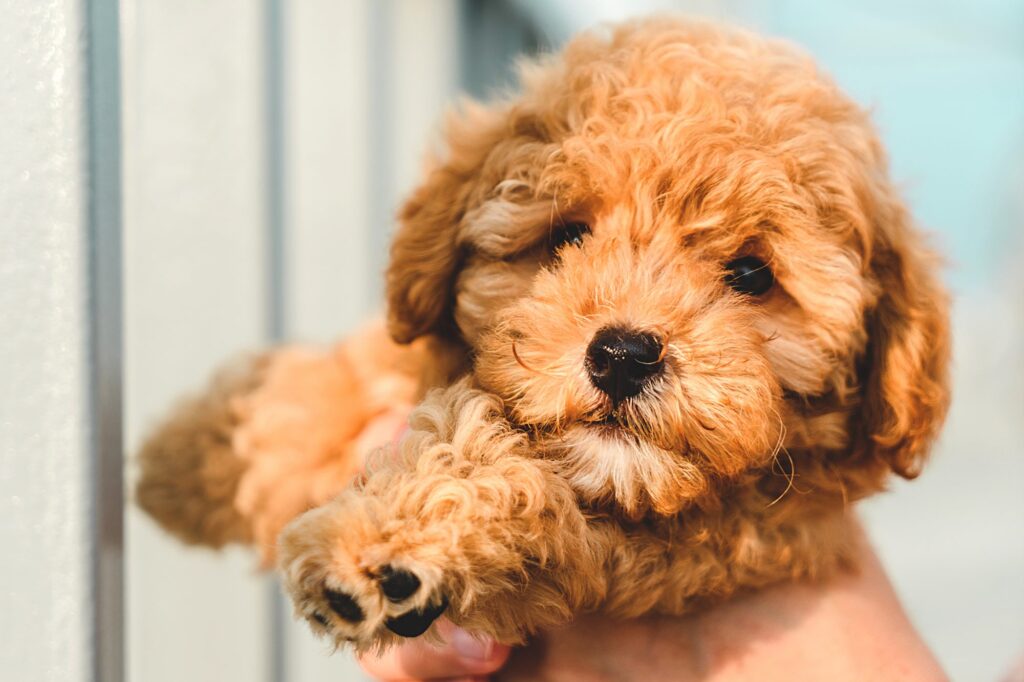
(608, 463)
(610, 428)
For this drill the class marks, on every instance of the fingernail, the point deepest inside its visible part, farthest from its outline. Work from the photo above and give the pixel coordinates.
(471, 648)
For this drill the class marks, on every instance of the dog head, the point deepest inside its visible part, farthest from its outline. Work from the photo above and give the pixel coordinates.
(676, 254)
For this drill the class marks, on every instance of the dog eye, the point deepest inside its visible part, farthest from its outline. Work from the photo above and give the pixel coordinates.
(569, 234)
(749, 275)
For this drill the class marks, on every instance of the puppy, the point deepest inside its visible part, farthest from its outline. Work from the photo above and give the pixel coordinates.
(664, 318)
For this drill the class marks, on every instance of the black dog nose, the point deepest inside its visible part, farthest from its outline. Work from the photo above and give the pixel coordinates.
(621, 361)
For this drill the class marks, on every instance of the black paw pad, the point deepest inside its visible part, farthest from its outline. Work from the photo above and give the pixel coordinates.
(398, 585)
(415, 623)
(344, 605)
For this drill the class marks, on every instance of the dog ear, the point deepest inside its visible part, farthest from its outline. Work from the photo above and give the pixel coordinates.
(906, 387)
(425, 250)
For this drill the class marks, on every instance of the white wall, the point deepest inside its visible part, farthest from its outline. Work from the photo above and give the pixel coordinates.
(60, 447)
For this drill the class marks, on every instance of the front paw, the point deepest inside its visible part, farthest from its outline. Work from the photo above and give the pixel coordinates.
(356, 582)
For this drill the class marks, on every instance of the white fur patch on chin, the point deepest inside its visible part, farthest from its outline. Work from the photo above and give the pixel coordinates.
(614, 466)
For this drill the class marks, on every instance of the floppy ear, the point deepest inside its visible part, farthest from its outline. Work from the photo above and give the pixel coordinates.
(425, 251)
(907, 363)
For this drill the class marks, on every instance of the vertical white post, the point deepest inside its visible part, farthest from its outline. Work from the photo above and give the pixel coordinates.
(196, 257)
(60, 349)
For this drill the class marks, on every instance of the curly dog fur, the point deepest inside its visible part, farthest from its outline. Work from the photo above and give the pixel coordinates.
(522, 491)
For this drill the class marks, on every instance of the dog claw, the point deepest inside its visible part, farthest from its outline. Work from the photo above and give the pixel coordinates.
(415, 623)
(398, 585)
(344, 605)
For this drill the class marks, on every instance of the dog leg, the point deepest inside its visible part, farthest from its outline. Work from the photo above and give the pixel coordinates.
(675, 565)
(460, 517)
(188, 471)
(273, 436)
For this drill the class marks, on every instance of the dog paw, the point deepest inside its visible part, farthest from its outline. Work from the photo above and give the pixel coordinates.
(354, 585)
(398, 587)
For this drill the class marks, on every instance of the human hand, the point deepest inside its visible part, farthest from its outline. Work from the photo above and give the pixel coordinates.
(849, 628)
(462, 658)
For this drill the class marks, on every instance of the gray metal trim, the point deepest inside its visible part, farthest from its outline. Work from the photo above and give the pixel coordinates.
(105, 338)
(381, 144)
(274, 111)
(275, 263)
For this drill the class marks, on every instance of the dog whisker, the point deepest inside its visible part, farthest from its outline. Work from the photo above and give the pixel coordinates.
(782, 434)
(789, 479)
(789, 483)
(521, 363)
(791, 476)
(840, 483)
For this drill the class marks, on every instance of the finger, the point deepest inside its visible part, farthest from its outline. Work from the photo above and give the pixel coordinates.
(461, 656)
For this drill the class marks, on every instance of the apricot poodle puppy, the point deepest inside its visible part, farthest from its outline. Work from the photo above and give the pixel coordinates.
(663, 318)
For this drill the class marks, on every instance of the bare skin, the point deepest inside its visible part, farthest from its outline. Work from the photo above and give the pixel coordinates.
(850, 628)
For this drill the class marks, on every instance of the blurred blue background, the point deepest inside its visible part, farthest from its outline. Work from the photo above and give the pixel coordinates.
(267, 145)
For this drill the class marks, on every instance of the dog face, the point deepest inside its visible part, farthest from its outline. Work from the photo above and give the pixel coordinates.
(674, 255)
